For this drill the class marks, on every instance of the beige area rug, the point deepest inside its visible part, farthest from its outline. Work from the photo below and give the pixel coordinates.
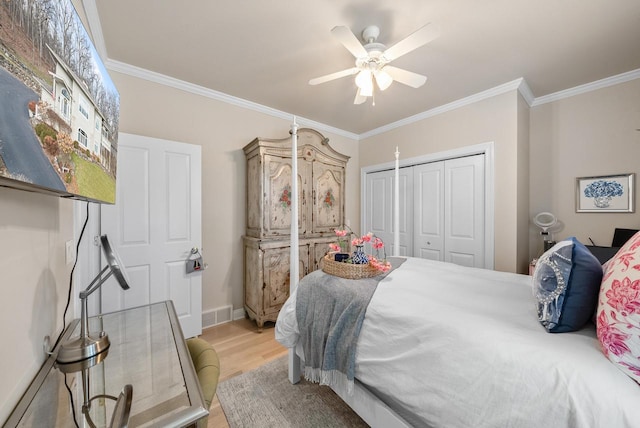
(264, 397)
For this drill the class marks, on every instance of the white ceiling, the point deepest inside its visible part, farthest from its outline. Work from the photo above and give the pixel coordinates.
(265, 52)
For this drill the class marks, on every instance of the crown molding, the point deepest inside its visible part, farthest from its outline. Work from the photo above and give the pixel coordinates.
(588, 87)
(162, 79)
(526, 92)
(489, 93)
(519, 84)
(93, 18)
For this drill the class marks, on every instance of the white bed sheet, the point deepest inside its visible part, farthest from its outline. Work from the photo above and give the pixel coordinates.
(448, 346)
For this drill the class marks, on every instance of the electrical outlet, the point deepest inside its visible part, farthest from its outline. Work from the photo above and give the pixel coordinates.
(70, 252)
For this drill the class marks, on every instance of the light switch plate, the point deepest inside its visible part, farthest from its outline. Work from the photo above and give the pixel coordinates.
(70, 253)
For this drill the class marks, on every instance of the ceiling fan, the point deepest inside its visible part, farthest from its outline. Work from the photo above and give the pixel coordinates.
(373, 58)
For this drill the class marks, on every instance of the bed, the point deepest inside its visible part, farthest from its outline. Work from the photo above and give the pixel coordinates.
(442, 345)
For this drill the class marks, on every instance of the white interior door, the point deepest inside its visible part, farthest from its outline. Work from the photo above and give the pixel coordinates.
(154, 224)
(464, 211)
(443, 217)
(428, 225)
(379, 219)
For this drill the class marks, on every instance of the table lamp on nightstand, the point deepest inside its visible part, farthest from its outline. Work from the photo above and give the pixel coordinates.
(89, 345)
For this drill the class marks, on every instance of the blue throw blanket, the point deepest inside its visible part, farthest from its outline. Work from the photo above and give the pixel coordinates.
(330, 311)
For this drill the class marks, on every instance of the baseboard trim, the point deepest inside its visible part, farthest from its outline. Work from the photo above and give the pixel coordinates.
(238, 314)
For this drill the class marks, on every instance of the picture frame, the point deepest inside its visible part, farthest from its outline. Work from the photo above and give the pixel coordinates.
(605, 194)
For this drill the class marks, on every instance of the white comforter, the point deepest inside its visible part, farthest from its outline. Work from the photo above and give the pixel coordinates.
(448, 346)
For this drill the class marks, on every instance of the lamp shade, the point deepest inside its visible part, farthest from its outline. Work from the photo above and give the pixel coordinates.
(383, 79)
(365, 83)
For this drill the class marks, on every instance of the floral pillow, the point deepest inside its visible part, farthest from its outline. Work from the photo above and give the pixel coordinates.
(566, 283)
(618, 316)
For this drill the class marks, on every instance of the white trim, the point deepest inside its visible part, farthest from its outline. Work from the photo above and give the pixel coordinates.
(489, 173)
(526, 92)
(161, 79)
(588, 87)
(238, 314)
(520, 84)
(489, 93)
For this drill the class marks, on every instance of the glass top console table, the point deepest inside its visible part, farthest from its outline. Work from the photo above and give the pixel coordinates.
(147, 351)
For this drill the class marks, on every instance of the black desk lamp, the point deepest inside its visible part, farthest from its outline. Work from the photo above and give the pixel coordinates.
(87, 345)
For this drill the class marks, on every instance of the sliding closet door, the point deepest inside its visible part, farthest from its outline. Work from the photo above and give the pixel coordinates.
(428, 224)
(464, 211)
(379, 202)
(442, 209)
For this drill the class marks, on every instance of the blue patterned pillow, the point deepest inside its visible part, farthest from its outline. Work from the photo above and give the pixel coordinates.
(566, 283)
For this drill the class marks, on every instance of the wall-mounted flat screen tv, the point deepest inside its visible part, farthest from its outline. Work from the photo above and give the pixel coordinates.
(59, 109)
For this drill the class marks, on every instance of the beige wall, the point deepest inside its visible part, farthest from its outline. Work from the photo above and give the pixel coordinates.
(589, 134)
(222, 130)
(34, 280)
(490, 120)
(522, 246)
(586, 135)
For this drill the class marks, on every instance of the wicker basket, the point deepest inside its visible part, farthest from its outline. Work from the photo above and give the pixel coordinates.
(347, 270)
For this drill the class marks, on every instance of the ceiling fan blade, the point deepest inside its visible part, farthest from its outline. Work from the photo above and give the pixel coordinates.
(349, 41)
(359, 99)
(332, 76)
(413, 41)
(405, 77)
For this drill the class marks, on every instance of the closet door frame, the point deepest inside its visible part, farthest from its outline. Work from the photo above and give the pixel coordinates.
(487, 149)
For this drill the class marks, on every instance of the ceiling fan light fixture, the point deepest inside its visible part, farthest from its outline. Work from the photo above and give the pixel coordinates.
(365, 83)
(383, 79)
(372, 59)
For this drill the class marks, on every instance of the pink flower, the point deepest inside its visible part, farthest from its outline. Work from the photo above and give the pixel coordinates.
(634, 369)
(626, 259)
(612, 339)
(382, 266)
(356, 241)
(377, 243)
(367, 237)
(335, 247)
(624, 296)
(341, 232)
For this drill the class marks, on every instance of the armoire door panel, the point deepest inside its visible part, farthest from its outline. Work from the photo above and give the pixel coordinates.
(329, 197)
(278, 195)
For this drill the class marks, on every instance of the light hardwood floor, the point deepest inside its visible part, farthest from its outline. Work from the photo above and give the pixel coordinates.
(240, 348)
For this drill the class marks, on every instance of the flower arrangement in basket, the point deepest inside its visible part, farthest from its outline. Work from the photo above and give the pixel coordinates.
(357, 264)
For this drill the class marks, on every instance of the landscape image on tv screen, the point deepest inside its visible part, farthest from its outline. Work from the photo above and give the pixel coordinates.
(59, 109)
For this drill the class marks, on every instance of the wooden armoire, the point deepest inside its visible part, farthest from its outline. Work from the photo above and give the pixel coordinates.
(321, 190)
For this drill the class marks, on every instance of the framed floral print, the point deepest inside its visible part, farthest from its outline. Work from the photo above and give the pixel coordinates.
(607, 194)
